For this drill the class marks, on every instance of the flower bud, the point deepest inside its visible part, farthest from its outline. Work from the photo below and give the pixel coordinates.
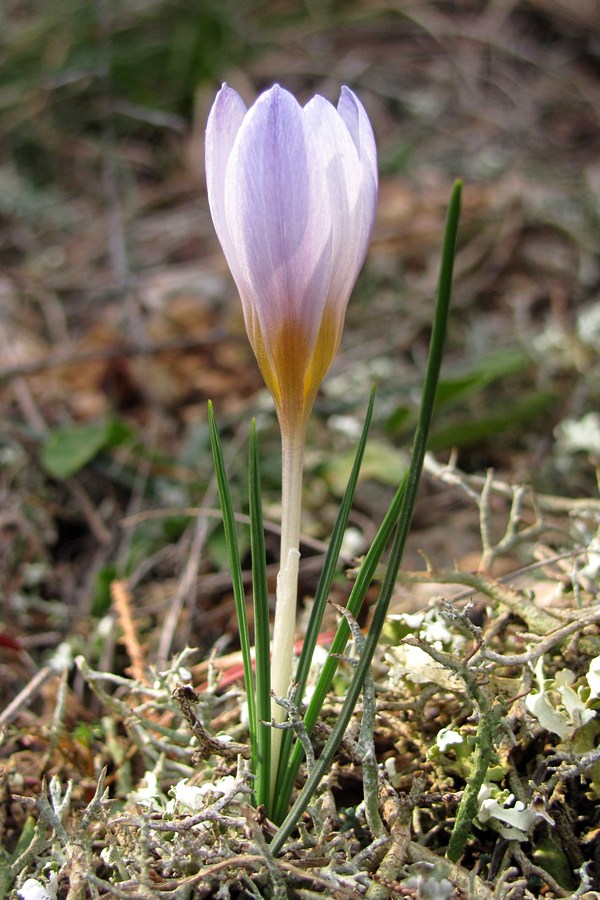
(292, 192)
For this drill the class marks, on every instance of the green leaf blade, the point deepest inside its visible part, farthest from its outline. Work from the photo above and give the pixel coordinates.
(261, 625)
(237, 581)
(434, 361)
(288, 767)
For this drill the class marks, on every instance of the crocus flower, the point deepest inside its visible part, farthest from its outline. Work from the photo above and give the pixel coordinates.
(292, 192)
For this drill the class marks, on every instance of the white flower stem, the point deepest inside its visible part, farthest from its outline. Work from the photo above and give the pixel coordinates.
(292, 455)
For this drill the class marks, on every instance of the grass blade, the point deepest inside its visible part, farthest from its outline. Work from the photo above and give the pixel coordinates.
(338, 645)
(289, 766)
(239, 595)
(261, 625)
(331, 561)
(434, 361)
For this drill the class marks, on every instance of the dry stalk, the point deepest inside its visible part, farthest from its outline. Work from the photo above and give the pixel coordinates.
(121, 598)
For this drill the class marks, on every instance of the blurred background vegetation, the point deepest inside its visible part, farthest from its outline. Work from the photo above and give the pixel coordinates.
(119, 319)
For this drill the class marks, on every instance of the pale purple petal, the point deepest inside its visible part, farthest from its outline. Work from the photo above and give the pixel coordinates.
(357, 122)
(274, 209)
(335, 154)
(224, 121)
(353, 114)
(293, 193)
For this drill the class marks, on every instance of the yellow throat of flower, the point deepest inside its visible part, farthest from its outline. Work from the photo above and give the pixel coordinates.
(293, 366)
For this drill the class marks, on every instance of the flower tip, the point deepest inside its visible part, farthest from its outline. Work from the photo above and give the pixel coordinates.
(274, 94)
(225, 91)
(292, 192)
(227, 95)
(349, 98)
